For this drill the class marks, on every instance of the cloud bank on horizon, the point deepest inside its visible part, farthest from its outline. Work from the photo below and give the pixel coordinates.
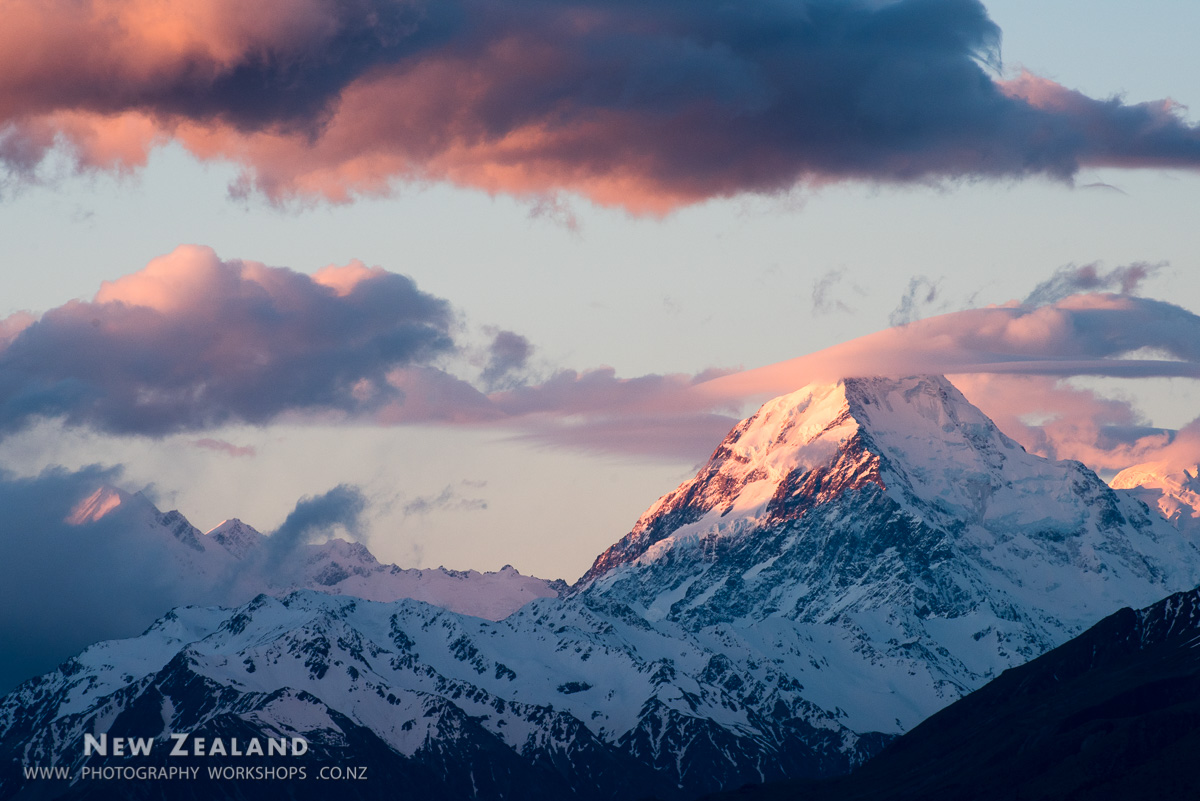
(645, 106)
(67, 582)
(193, 342)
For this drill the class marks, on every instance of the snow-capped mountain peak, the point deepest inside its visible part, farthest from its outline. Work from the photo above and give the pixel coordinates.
(106, 500)
(915, 438)
(1173, 488)
(896, 518)
(236, 537)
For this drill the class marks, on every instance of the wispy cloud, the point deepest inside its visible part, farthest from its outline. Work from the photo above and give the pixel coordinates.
(642, 105)
(825, 293)
(919, 300)
(508, 354)
(449, 499)
(221, 446)
(1073, 279)
(336, 512)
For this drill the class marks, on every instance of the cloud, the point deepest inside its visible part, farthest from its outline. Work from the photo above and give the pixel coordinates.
(1054, 419)
(1091, 334)
(221, 446)
(824, 288)
(338, 511)
(508, 353)
(675, 437)
(192, 341)
(1014, 362)
(448, 500)
(1072, 280)
(644, 106)
(554, 208)
(68, 580)
(65, 586)
(917, 301)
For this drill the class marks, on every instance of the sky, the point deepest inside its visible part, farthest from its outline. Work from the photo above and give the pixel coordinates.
(510, 271)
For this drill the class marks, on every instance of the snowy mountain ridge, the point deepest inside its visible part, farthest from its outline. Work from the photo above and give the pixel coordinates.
(852, 558)
(236, 556)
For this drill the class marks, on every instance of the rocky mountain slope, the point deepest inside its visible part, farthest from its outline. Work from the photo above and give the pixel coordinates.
(1111, 714)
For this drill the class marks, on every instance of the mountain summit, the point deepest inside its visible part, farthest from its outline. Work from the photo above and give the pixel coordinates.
(895, 526)
(824, 440)
(916, 441)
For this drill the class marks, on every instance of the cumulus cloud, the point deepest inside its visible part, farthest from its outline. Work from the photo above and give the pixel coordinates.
(192, 341)
(642, 105)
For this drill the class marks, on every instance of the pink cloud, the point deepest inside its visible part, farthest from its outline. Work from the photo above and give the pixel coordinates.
(1079, 335)
(645, 107)
(1012, 360)
(192, 341)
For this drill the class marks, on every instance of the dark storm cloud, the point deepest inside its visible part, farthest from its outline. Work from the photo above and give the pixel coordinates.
(646, 105)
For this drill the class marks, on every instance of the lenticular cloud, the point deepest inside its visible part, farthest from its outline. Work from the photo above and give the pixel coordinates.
(646, 106)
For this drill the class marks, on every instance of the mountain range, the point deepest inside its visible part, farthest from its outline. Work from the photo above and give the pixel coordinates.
(852, 558)
(244, 562)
